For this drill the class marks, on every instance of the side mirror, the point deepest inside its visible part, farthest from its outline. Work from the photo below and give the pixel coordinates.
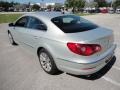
(11, 24)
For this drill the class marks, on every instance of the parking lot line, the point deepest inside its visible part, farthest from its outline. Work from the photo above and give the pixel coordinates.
(111, 81)
(116, 67)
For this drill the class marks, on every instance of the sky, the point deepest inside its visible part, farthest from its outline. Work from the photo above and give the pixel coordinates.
(37, 1)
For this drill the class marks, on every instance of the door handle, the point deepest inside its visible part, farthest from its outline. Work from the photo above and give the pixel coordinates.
(36, 37)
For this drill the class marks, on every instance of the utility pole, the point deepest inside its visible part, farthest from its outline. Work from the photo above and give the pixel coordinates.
(112, 3)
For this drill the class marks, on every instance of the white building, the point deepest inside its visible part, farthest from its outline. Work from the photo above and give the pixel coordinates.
(52, 4)
(44, 5)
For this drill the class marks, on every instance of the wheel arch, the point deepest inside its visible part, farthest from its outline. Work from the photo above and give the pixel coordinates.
(39, 48)
(47, 48)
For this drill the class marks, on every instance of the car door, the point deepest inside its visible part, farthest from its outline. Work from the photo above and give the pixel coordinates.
(20, 29)
(36, 30)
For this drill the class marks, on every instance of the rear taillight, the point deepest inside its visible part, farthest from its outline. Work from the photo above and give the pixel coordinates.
(84, 49)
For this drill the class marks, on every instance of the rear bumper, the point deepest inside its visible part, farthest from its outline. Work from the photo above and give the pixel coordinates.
(85, 68)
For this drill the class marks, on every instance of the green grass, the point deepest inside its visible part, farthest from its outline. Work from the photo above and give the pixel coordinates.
(84, 14)
(7, 18)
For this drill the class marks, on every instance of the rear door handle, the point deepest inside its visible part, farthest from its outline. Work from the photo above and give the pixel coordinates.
(36, 37)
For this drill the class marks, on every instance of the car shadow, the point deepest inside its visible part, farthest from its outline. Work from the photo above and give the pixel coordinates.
(100, 73)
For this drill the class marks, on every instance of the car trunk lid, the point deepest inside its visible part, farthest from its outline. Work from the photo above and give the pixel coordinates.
(101, 36)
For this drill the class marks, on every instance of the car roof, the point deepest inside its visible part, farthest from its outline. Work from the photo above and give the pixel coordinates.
(48, 15)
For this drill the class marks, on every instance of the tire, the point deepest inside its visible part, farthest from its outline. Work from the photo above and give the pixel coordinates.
(11, 39)
(47, 62)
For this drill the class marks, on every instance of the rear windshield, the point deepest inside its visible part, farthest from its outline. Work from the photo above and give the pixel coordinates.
(73, 24)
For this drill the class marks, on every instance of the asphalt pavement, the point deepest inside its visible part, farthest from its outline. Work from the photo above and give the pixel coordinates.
(20, 68)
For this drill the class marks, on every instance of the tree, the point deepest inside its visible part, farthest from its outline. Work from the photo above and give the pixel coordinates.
(6, 5)
(116, 3)
(58, 6)
(49, 7)
(36, 7)
(101, 3)
(91, 4)
(75, 4)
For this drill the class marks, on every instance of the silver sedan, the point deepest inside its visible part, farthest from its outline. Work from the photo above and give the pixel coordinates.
(64, 42)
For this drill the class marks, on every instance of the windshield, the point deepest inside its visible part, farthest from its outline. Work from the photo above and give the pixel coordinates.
(73, 24)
